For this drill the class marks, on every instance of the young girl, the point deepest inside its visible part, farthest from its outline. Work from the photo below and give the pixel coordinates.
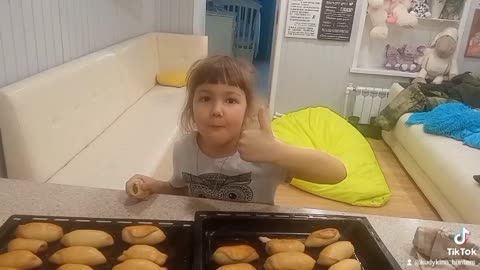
(224, 155)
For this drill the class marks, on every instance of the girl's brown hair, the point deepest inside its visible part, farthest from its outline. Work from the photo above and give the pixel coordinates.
(218, 69)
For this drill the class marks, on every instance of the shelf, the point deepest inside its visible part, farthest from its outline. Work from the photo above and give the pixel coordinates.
(383, 72)
(438, 20)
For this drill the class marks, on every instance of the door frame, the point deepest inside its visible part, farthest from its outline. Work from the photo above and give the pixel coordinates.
(278, 37)
(198, 28)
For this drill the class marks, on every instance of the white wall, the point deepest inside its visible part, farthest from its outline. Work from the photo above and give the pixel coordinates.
(468, 63)
(175, 15)
(36, 35)
(315, 72)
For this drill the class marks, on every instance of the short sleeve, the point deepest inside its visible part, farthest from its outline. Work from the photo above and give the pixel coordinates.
(278, 174)
(283, 175)
(177, 180)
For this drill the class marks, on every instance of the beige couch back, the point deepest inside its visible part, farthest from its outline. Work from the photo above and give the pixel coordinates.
(49, 118)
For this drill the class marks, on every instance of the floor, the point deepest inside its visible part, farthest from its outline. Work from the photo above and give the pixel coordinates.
(407, 200)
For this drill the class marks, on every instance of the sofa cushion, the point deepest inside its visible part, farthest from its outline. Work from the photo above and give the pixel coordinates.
(175, 51)
(50, 117)
(138, 142)
(139, 57)
(448, 163)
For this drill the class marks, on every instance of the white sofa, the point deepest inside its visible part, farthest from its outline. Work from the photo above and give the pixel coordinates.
(441, 167)
(99, 119)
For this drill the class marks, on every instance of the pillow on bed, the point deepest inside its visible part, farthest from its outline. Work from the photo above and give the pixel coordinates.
(172, 78)
(323, 129)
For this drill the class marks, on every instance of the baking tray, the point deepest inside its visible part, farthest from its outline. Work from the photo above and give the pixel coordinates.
(215, 229)
(178, 244)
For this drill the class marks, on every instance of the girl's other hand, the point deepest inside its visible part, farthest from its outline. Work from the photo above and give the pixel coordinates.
(139, 186)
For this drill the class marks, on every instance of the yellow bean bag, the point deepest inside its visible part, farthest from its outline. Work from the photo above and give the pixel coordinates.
(323, 129)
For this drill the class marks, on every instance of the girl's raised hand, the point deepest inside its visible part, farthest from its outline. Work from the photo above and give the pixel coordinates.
(258, 144)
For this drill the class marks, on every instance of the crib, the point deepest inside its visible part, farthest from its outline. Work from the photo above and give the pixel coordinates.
(247, 25)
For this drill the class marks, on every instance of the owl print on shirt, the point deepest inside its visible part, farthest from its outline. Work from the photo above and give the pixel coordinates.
(220, 186)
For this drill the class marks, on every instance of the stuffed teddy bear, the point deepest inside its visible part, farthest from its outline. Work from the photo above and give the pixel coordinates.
(407, 58)
(421, 9)
(439, 60)
(391, 57)
(382, 12)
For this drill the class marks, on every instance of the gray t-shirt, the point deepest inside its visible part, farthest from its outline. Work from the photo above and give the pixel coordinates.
(230, 178)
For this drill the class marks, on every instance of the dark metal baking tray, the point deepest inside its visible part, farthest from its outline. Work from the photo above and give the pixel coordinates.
(178, 244)
(215, 229)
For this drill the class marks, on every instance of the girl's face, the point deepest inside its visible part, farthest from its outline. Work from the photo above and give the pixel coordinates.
(218, 112)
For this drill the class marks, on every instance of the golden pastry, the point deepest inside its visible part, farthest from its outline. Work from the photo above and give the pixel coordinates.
(143, 235)
(20, 259)
(137, 264)
(89, 238)
(144, 252)
(7, 268)
(237, 266)
(283, 245)
(348, 264)
(322, 237)
(32, 245)
(78, 255)
(70, 266)
(235, 254)
(292, 260)
(336, 252)
(39, 230)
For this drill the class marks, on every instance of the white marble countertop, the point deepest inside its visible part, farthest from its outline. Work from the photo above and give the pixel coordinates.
(29, 198)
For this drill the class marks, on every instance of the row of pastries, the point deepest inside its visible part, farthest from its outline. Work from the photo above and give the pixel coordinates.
(82, 248)
(289, 254)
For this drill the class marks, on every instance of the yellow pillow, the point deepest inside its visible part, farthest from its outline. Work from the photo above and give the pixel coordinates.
(172, 78)
(321, 128)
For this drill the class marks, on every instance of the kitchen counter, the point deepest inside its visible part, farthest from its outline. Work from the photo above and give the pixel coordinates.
(30, 198)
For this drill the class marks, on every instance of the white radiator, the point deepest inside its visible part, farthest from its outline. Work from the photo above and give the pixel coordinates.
(368, 102)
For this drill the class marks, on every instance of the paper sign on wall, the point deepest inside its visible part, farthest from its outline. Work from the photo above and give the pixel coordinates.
(337, 19)
(303, 18)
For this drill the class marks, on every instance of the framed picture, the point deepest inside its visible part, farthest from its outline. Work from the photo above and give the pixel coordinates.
(473, 45)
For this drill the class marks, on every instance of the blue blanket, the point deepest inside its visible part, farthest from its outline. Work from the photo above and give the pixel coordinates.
(453, 119)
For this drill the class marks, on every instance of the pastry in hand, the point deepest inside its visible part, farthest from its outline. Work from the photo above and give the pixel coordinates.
(135, 189)
(71, 266)
(292, 260)
(7, 268)
(143, 235)
(322, 237)
(335, 252)
(348, 264)
(20, 259)
(274, 246)
(89, 238)
(78, 255)
(33, 245)
(39, 230)
(237, 266)
(137, 264)
(144, 252)
(235, 254)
